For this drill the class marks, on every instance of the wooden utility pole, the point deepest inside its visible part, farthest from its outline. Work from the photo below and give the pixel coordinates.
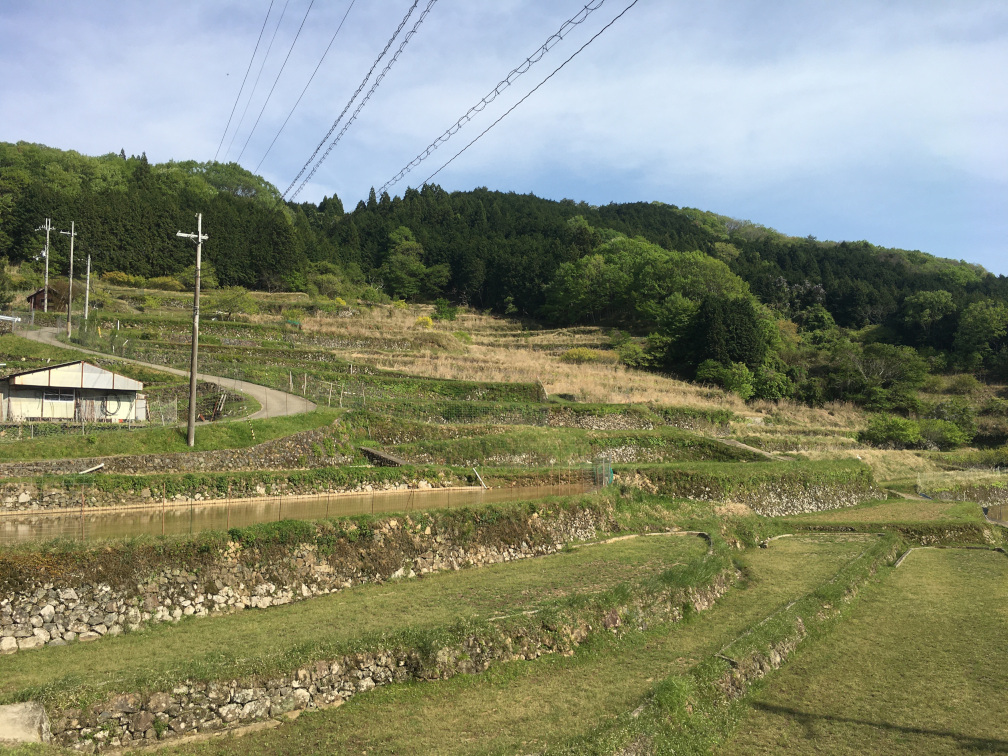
(199, 237)
(45, 292)
(71, 233)
(87, 289)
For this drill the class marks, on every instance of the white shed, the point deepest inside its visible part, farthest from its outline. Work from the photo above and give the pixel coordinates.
(73, 391)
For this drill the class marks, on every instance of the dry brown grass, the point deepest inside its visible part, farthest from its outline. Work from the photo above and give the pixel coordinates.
(888, 465)
(500, 349)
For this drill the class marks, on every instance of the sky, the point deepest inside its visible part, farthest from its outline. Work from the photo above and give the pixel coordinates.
(882, 120)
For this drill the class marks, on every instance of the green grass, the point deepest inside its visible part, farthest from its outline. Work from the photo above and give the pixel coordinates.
(236, 434)
(545, 446)
(898, 511)
(281, 638)
(919, 667)
(526, 707)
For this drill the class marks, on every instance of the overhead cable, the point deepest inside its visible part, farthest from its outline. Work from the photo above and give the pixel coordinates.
(270, 93)
(258, 76)
(306, 85)
(504, 84)
(509, 110)
(353, 97)
(367, 97)
(235, 106)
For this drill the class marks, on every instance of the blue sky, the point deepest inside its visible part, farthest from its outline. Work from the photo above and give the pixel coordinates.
(870, 120)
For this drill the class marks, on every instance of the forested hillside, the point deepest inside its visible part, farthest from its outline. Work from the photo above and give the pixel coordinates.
(692, 292)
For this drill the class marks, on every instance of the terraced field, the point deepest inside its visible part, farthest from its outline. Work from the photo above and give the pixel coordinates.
(640, 617)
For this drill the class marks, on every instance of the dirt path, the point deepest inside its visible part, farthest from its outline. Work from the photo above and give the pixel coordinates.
(273, 403)
(768, 455)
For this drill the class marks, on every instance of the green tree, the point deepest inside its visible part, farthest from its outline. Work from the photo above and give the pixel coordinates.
(6, 286)
(923, 309)
(981, 333)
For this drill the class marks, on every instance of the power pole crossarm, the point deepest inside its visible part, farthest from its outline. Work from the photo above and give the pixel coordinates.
(199, 237)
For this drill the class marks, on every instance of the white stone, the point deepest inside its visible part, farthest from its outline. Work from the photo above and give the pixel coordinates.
(26, 644)
(8, 645)
(24, 723)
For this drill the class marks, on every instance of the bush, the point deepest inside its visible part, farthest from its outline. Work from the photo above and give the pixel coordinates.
(964, 385)
(584, 355)
(960, 413)
(891, 431)
(770, 384)
(423, 321)
(943, 434)
(118, 278)
(165, 283)
(444, 310)
(735, 377)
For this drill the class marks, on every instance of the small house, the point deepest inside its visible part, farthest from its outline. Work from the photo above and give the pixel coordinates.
(71, 392)
(58, 292)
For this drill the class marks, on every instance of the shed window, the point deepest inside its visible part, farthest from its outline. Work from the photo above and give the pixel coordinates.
(58, 395)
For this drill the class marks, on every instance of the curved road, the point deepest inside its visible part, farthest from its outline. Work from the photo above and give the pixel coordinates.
(272, 403)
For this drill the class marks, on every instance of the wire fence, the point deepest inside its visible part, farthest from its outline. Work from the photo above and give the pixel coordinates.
(160, 413)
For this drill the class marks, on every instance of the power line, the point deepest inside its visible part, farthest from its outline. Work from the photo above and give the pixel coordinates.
(235, 106)
(279, 73)
(256, 170)
(504, 84)
(509, 110)
(367, 97)
(258, 76)
(354, 95)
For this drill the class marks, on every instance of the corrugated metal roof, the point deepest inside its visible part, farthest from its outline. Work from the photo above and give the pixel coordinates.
(78, 374)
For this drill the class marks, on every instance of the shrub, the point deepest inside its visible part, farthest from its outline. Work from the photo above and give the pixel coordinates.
(423, 321)
(891, 431)
(943, 434)
(463, 336)
(770, 384)
(960, 413)
(735, 377)
(165, 283)
(444, 310)
(118, 278)
(584, 355)
(964, 384)
(632, 354)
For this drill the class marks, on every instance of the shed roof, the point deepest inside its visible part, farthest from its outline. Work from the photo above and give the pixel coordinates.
(78, 374)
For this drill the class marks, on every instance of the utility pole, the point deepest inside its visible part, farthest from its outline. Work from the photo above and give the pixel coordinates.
(199, 237)
(87, 290)
(71, 233)
(45, 292)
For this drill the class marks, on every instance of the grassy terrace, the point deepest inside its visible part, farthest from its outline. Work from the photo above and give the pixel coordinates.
(236, 434)
(530, 707)
(919, 682)
(281, 638)
(892, 511)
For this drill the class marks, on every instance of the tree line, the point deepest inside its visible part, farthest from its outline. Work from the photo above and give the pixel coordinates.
(683, 290)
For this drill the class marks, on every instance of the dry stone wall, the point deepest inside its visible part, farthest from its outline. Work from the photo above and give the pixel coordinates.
(298, 451)
(77, 608)
(190, 707)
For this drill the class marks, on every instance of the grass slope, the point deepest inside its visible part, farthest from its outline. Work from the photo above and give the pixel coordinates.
(919, 667)
(528, 707)
(281, 638)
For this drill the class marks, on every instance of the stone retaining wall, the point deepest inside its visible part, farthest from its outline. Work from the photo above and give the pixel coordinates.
(303, 450)
(769, 498)
(197, 707)
(55, 612)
